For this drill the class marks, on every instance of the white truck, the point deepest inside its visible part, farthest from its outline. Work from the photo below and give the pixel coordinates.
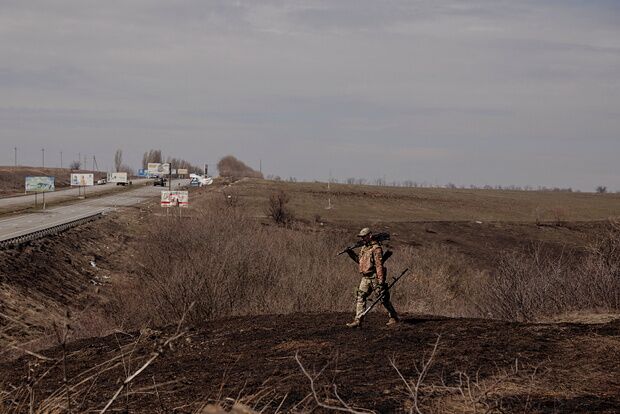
(120, 178)
(199, 181)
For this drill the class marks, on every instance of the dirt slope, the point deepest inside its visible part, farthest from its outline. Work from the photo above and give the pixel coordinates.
(510, 367)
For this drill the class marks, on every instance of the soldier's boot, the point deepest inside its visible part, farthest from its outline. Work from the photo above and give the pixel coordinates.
(357, 323)
(393, 320)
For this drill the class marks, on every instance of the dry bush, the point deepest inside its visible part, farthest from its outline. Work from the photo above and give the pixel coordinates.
(534, 284)
(441, 283)
(230, 166)
(230, 264)
(278, 209)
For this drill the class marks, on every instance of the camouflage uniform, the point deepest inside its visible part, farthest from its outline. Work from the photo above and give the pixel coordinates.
(370, 261)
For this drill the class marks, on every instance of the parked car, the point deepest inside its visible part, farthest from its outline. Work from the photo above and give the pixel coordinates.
(160, 181)
(101, 182)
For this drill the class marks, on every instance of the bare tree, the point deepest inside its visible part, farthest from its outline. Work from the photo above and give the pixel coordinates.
(151, 155)
(601, 189)
(118, 159)
(230, 166)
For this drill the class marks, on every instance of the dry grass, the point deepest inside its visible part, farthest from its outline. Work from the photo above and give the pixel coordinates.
(533, 285)
(232, 265)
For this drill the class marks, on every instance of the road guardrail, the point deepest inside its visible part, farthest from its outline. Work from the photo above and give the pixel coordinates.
(37, 234)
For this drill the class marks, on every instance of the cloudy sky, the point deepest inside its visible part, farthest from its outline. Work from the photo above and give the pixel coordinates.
(469, 92)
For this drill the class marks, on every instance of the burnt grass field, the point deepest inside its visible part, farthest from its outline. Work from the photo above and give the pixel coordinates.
(478, 366)
(511, 305)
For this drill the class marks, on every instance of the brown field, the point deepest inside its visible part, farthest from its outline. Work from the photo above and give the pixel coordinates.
(376, 205)
(12, 178)
(526, 306)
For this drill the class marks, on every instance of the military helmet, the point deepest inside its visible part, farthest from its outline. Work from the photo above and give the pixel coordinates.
(364, 232)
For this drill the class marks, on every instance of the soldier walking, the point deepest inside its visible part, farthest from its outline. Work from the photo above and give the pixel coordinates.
(374, 273)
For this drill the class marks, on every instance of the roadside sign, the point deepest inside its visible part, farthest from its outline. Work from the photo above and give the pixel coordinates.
(174, 198)
(40, 184)
(142, 173)
(182, 171)
(82, 179)
(158, 169)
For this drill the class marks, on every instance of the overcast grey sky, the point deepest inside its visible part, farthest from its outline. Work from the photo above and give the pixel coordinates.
(469, 92)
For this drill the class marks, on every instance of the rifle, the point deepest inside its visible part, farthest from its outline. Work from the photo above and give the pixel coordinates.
(394, 280)
(376, 237)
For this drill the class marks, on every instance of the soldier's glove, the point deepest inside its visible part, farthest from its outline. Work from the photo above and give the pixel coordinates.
(382, 287)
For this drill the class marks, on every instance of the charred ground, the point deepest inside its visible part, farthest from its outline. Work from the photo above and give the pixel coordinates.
(498, 366)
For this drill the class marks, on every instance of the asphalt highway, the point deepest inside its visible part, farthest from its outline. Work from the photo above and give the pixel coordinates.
(42, 219)
(8, 203)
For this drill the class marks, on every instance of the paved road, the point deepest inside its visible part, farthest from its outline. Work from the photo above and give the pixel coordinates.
(22, 201)
(43, 219)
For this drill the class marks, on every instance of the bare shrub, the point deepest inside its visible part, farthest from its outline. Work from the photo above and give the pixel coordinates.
(530, 285)
(118, 160)
(441, 283)
(278, 208)
(230, 264)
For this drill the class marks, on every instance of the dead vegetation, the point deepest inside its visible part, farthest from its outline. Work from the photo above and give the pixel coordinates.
(230, 264)
(243, 365)
(532, 285)
(231, 167)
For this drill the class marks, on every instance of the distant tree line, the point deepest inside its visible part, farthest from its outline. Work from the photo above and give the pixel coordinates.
(414, 184)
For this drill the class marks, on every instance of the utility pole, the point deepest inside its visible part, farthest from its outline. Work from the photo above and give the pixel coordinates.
(79, 160)
(15, 156)
(170, 177)
(61, 159)
(43, 157)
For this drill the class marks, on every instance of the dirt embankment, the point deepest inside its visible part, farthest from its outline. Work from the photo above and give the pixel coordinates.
(71, 272)
(479, 365)
(12, 179)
